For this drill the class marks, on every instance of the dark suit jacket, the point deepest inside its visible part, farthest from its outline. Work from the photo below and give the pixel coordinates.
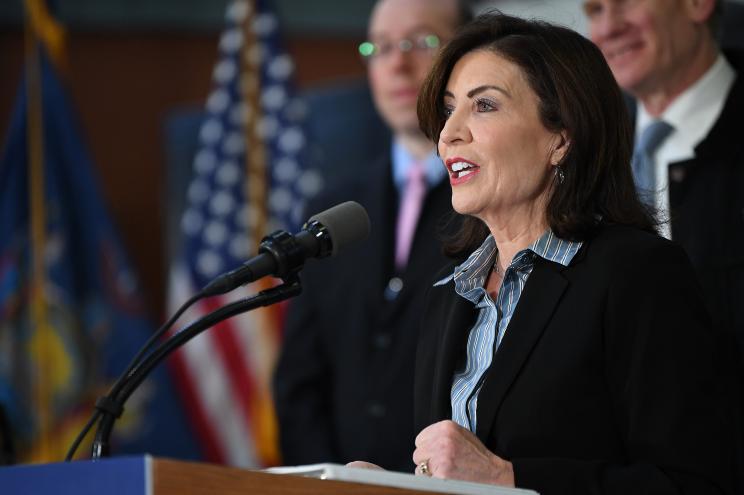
(609, 378)
(345, 375)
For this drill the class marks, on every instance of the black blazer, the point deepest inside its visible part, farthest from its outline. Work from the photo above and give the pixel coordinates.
(609, 378)
(343, 383)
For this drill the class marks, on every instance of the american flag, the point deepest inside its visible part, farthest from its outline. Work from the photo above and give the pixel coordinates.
(248, 180)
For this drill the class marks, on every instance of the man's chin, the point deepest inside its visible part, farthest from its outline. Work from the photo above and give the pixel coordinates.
(629, 79)
(405, 127)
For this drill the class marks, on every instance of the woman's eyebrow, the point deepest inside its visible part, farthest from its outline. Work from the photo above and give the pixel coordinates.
(480, 89)
(485, 87)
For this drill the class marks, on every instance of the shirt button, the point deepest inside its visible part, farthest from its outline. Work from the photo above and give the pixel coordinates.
(376, 410)
(677, 174)
(394, 286)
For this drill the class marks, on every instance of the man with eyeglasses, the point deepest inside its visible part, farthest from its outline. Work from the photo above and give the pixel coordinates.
(344, 383)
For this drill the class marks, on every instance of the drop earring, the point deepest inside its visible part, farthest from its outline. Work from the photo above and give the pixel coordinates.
(559, 174)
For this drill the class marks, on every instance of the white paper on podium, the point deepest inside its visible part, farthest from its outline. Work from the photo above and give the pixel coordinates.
(397, 480)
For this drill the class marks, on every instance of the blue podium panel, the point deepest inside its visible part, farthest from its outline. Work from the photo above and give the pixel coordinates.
(117, 476)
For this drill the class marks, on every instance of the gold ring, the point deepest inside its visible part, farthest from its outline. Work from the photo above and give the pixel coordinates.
(424, 468)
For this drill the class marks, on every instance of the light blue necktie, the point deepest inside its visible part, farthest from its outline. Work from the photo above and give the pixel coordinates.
(644, 168)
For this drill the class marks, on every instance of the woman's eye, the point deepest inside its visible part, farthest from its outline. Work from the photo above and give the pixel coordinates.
(448, 109)
(485, 105)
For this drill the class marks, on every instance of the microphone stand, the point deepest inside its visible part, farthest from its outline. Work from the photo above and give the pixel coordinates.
(111, 406)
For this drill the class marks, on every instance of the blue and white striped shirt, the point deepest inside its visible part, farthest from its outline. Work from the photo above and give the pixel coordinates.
(493, 317)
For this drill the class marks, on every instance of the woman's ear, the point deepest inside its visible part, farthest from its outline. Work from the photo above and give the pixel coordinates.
(560, 148)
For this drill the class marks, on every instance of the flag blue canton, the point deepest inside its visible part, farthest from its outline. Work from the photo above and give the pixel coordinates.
(219, 222)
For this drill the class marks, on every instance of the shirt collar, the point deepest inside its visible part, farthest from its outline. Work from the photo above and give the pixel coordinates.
(474, 270)
(402, 161)
(693, 113)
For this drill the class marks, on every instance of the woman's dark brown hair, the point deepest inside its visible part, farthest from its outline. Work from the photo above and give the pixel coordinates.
(577, 94)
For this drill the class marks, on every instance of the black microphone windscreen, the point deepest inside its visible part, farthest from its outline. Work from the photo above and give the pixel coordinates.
(346, 223)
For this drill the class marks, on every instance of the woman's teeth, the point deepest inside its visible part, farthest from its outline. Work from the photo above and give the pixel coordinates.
(461, 169)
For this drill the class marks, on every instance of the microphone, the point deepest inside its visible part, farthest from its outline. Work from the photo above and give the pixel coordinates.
(282, 254)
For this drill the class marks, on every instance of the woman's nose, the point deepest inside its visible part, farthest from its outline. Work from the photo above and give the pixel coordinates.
(455, 129)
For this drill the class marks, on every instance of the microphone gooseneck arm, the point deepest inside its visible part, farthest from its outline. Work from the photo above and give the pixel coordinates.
(110, 410)
(103, 403)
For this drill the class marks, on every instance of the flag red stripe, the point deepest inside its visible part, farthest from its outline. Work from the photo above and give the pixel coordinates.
(195, 408)
(239, 372)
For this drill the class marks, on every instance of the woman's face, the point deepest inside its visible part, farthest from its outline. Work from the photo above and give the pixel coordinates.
(498, 154)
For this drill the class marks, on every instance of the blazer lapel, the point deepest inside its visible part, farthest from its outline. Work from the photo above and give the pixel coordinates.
(534, 310)
(375, 198)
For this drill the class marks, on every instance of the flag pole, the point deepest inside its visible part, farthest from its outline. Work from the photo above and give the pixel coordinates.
(38, 307)
(250, 87)
(265, 428)
(41, 29)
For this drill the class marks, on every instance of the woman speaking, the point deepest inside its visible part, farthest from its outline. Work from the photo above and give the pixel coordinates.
(567, 349)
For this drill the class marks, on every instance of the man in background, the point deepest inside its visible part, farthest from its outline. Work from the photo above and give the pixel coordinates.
(689, 146)
(344, 382)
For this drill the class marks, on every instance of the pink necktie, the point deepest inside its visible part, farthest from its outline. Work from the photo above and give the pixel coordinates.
(410, 208)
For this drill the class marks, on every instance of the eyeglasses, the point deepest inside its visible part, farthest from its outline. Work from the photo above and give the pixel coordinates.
(423, 43)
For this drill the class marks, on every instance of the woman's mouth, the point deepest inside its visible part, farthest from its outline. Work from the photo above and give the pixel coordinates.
(461, 170)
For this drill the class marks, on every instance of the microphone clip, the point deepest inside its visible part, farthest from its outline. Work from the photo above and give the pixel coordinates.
(290, 251)
(286, 251)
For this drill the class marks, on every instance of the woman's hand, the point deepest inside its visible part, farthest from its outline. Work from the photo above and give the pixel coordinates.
(447, 450)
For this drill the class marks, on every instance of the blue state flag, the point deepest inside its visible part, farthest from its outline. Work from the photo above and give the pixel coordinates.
(52, 371)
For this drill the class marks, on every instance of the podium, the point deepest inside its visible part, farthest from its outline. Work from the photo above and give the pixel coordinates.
(146, 475)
